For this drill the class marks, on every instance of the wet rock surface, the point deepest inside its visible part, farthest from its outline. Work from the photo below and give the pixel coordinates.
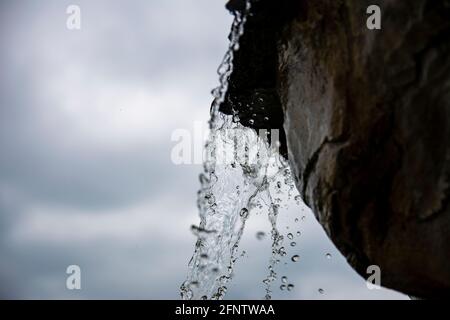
(367, 120)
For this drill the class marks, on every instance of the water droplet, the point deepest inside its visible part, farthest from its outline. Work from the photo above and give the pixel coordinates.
(244, 213)
(321, 291)
(204, 298)
(290, 287)
(295, 258)
(299, 233)
(282, 287)
(296, 220)
(251, 122)
(284, 279)
(260, 235)
(290, 236)
(293, 244)
(328, 255)
(297, 198)
(266, 118)
(222, 290)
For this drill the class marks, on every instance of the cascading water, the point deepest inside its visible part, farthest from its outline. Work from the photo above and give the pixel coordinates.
(241, 172)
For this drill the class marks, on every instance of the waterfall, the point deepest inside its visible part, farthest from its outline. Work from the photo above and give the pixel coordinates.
(242, 171)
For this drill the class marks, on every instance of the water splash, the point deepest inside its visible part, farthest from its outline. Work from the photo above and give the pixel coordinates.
(241, 171)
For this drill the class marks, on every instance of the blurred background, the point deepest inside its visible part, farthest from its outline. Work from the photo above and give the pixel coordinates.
(86, 177)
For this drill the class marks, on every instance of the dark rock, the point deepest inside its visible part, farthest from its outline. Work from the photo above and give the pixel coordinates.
(367, 119)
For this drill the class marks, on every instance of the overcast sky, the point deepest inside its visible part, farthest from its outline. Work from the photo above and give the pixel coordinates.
(86, 176)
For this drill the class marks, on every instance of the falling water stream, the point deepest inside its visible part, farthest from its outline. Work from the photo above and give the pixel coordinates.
(242, 171)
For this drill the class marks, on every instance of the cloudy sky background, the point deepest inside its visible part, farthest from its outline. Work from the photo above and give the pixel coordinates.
(86, 177)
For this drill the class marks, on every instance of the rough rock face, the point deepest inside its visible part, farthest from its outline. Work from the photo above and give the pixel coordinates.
(367, 121)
